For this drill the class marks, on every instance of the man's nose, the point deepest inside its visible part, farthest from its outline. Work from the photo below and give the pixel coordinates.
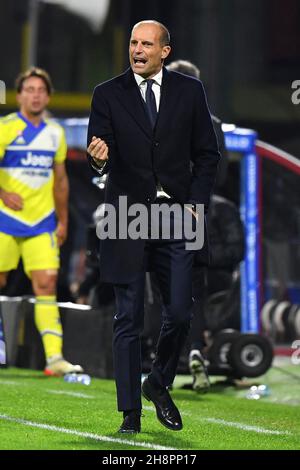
(139, 47)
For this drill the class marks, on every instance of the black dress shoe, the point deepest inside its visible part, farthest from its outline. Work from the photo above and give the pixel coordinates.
(166, 411)
(131, 423)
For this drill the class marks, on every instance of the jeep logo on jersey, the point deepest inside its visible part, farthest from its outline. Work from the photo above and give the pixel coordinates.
(37, 160)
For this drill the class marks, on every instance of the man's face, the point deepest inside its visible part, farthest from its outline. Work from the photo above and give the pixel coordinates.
(33, 97)
(145, 50)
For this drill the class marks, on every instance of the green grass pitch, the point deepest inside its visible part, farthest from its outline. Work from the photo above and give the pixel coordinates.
(42, 413)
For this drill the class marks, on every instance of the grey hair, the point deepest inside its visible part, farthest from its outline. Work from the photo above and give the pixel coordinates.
(185, 67)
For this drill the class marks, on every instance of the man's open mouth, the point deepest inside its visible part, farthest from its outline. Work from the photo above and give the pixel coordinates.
(139, 60)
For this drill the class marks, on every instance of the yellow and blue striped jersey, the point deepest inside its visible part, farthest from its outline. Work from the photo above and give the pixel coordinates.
(27, 156)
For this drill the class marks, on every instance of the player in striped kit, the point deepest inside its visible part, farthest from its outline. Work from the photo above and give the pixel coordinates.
(33, 206)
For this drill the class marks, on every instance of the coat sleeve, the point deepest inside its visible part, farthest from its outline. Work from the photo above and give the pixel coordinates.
(100, 125)
(204, 152)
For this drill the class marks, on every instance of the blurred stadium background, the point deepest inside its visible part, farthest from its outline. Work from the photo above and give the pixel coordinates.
(249, 56)
(248, 53)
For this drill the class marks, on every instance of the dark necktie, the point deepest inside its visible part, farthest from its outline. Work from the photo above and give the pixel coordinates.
(151, 102)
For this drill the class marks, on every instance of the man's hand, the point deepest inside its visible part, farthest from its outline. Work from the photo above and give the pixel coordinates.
(61, 233)
(98, 150)
(82, 300)
(11, 200)
(195, 214)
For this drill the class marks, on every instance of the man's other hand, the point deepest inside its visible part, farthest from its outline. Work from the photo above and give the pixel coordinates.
(98, 150)
(195, 214)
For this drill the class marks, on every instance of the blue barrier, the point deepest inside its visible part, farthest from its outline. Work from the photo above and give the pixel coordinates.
(243, 141)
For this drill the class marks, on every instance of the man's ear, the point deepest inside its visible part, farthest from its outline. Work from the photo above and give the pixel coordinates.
(165, 52)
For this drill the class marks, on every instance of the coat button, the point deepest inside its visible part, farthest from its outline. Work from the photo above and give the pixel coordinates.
(148, 199)
(156, 144)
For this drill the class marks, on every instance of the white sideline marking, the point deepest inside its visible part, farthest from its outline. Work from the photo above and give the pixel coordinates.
(149, 408)
(152, 408)
(8, 382)
(71, 394)
(246, 427)
(89, 435)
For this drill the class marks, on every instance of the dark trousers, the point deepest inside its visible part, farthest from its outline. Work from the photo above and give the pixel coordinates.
(172, 264)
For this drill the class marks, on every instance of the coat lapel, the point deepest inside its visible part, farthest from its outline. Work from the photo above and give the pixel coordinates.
(168, 103)
(130, 97)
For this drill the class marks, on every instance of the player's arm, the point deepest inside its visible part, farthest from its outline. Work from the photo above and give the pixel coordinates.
(61, 195)
(11, 200)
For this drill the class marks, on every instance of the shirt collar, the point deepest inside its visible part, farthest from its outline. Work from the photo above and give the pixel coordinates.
(157, 78)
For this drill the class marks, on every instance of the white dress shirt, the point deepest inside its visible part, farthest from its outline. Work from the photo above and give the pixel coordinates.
(156, 87)
(142, 84)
